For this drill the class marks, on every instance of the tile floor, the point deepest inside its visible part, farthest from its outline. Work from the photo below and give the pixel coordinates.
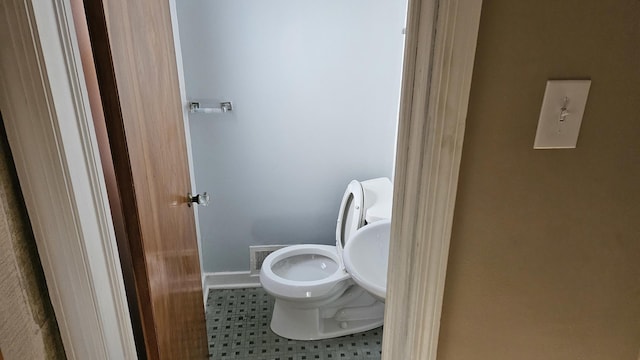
(238, 328)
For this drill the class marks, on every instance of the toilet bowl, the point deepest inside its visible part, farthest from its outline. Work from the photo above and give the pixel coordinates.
(315, 295)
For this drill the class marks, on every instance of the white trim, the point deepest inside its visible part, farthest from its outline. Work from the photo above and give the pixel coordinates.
(187, 129)
(231, 280)
(50, 131)
(228, 280)
(432, 121)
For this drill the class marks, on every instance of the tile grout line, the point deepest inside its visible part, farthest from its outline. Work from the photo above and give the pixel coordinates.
(238, 329)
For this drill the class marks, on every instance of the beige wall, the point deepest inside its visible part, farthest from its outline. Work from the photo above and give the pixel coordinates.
(28, 328)
(545, 253)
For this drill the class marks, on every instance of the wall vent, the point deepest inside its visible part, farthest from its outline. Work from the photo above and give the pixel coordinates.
(257, 254)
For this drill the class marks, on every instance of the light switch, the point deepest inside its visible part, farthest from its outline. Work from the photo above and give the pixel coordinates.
(561, 114)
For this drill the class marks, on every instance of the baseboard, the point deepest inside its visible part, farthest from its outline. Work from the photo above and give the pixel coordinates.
(229, 280)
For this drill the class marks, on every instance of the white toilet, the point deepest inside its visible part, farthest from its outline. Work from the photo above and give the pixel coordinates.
(315, 296)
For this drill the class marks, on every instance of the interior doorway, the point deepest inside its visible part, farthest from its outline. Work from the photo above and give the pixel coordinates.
(88, 246)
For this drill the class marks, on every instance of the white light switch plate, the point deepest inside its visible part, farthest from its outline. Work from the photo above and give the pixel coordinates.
(561, 114)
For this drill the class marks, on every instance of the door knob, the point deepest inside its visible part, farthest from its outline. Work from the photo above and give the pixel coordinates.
(198, 199)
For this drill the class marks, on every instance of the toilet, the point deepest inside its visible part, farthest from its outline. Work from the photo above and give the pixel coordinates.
(315, 295)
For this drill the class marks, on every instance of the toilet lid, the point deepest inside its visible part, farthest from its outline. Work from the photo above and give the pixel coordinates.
(350, 217)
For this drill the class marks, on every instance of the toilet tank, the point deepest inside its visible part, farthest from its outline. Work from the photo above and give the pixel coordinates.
(378, 197)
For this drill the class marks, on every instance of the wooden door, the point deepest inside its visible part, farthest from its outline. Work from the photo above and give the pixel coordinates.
(132, 44)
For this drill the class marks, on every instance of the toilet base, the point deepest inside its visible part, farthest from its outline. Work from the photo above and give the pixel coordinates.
(355, 311)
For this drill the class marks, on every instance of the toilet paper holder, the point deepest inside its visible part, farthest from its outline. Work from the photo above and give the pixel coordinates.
(225, 106)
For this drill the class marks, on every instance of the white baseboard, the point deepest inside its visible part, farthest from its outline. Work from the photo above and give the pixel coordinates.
(229, 280)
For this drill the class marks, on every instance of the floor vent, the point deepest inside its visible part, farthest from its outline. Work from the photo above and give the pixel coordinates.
(257, 254)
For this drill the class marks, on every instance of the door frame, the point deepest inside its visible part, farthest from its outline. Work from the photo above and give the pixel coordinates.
(433, 112)
(46, 111)
(44, 102)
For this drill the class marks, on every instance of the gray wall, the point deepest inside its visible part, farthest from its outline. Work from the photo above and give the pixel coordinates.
(545, 251)
(315, 87)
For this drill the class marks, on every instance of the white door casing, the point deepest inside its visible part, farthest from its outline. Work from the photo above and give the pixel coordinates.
(187, 132)
(433, 110)
(46, 112)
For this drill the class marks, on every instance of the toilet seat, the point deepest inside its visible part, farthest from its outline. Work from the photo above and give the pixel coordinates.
(290, 288)
(350, 219)
(351, 215)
